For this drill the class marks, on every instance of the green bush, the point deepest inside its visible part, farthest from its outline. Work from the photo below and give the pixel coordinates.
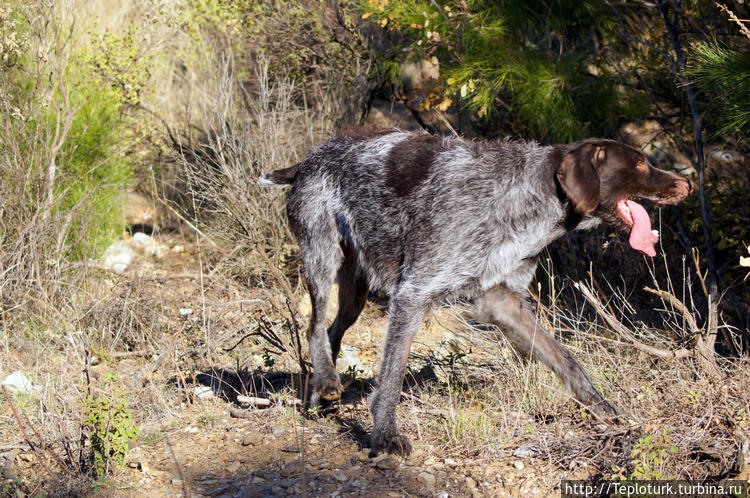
(111, 426)
(531, 72)
(106, 78)
(68, 137)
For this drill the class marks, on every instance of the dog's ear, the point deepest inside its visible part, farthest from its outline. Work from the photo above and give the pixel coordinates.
(579, 178)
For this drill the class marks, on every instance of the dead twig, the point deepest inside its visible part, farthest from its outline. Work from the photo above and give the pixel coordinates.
(668, 296)
(624, 332)
(253, 401)
(28, 440)
(739, 22)
(129, 354)
(177, 213)
(240, 413)
(135, 276)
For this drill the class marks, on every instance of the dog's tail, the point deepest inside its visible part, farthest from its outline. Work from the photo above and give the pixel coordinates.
(279, 177)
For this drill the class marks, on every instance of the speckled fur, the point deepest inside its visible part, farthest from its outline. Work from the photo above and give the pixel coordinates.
(424, 219)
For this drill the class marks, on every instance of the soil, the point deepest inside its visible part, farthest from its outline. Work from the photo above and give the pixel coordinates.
(212, 446)
(191, 340)
(273, 454)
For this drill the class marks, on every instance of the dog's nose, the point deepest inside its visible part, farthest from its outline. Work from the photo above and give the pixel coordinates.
(689, 185)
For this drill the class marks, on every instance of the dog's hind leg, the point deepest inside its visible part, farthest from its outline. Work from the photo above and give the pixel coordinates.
(321, 258)
(352, 297)
(406, 313)
(512, 313)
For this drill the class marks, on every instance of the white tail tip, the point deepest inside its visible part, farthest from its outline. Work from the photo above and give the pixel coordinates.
(265, 182)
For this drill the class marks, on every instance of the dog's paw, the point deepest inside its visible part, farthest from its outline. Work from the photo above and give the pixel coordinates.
(606, 412)
(329, 389)
(395, 444)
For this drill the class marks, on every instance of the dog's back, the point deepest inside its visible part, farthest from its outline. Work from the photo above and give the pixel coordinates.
(462, 215)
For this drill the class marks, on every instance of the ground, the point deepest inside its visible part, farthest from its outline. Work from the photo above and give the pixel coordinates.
(273, 454)
(185, 342)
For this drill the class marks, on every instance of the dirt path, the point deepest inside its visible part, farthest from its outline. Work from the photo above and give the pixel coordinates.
(275, 453)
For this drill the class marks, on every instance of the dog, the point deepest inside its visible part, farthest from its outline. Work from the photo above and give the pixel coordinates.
(426, 218)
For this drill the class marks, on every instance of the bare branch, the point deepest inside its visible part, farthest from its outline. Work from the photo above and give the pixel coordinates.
(689, 318)
(623, 331)
(744, 29)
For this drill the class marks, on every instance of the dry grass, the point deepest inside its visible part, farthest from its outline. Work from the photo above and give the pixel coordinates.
(167, 327)
(498, 402)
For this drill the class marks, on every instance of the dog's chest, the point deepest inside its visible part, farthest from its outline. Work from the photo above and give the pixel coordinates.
(511, 258)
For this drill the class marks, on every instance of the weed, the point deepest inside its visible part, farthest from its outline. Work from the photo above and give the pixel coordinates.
(651, 457)
(111, 426)
(208, 419)
(268, 360)
(152, 437)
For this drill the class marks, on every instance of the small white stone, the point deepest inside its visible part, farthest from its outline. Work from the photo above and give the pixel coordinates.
(18, 382)
(118, 256)
(203, 391)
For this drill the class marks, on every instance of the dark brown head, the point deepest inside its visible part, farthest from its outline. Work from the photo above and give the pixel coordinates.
(602, 177)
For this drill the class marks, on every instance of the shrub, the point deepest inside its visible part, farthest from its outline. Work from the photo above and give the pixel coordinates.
(529, 72)
(111, 426)
(64, 142)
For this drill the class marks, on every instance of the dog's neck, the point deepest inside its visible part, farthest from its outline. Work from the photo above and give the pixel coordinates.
(572, 220)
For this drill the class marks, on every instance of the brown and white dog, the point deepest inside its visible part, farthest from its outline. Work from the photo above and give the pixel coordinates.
(425, 218)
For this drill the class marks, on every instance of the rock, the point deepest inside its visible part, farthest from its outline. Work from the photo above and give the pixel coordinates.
(233, 467)
(118, 256)
(518, 464)
(252, 440)
(279, 431)
(203, 392)
(341, 477)
(450, 461)
(387, 463)
(348, 359)
(295, 467)
(526, 451)
(148, 245)
(177, 481)
(426, 478)
(245, 401)
(17, 382)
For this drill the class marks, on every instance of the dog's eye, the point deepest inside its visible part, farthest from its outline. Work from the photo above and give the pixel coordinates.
(641, 166)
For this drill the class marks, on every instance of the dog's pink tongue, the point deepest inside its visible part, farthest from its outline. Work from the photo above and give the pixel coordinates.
(641, 237)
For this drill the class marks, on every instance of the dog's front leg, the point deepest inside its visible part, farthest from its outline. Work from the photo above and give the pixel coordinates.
(406, 313)
(512, 313)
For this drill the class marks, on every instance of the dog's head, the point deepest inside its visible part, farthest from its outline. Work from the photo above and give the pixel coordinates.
(602, 178)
